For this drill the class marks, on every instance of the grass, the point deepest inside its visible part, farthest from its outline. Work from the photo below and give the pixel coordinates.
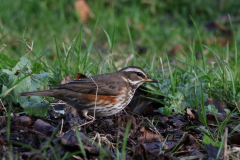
(63, 45)
(159, 31)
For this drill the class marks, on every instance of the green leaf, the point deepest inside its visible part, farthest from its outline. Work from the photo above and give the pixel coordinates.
(39, 80)
(36, 81)
(33, 106)
(23, 65)
(37, 67)
(212, 108)
(7, 62)
(37, 109)
(165, 110)
(3, 79)
(21, 78)
(207, 140)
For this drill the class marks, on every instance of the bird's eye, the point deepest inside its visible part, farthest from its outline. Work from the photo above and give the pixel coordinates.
(140, 74)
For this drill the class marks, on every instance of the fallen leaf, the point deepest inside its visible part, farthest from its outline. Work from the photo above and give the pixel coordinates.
(83, 10)
(212, 151)
(234, 139)
(176, 49)
(79, 76)
(123, 120)
(148, 151)
(212, 120)
(219, 105)
(42, 127)
(66, 79)
(147, 135)
(23, 121)
(191, 115)
(219, 24)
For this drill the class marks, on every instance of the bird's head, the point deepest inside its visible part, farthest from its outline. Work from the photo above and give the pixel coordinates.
(136, 76)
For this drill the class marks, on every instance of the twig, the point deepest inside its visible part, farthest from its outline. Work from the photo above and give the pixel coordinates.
(31, 130)
(29, 47)
(95, 96)
(234, 149)
(225, 156)
(4, 46)
(135, 128)
(61, 128)
(95, 103)
(87, 122)
(53, 104)
(9, 91)
(14, 113)
(155, 129)
(3, 106)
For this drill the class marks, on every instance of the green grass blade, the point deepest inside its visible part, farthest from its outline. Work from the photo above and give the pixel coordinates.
(125, 139)
(173, 84)
(80, 143)
(201, 46)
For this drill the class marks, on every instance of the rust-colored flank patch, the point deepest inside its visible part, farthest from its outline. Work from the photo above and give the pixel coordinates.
(104, 98)
(91, 98)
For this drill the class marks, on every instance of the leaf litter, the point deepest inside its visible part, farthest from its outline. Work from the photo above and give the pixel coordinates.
(152, 136)
(63, 133)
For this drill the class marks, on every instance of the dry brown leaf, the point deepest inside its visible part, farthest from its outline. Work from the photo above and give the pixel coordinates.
(83, 10)
(148, 135)
(220, 105)
(211, 119)
(123, 120)
(66, 79)
(79, 76)
(220, 41)
(220, 24)
(42, 127)
(191, 115)
(24, 121)
(176, 49)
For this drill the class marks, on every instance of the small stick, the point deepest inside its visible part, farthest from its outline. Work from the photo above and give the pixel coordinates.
(4, 46)
(3, 106)
(95, 103)
(61, 128)
(225, 156)
(155, 129)
(95, 96)
(14, 113)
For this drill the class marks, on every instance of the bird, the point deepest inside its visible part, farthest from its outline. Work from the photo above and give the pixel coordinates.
(102, 95)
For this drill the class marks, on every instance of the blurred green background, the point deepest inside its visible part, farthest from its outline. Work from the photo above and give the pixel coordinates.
(157, 27)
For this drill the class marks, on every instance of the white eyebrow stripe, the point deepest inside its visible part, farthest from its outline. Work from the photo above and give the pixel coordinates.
(135, 70)
(132, 70)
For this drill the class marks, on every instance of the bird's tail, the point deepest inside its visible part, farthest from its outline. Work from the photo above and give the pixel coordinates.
(49, 93)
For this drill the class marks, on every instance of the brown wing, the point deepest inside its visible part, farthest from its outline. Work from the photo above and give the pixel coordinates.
(108, 84)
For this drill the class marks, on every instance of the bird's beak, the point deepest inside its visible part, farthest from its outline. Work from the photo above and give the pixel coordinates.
(151, 80)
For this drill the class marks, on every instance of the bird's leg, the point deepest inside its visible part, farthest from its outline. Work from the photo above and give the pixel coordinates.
(85, 112)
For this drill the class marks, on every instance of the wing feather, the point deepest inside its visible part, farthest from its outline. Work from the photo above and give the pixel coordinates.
(86, 85)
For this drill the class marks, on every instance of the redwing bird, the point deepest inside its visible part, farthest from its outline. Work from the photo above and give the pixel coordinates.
(114, 91)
